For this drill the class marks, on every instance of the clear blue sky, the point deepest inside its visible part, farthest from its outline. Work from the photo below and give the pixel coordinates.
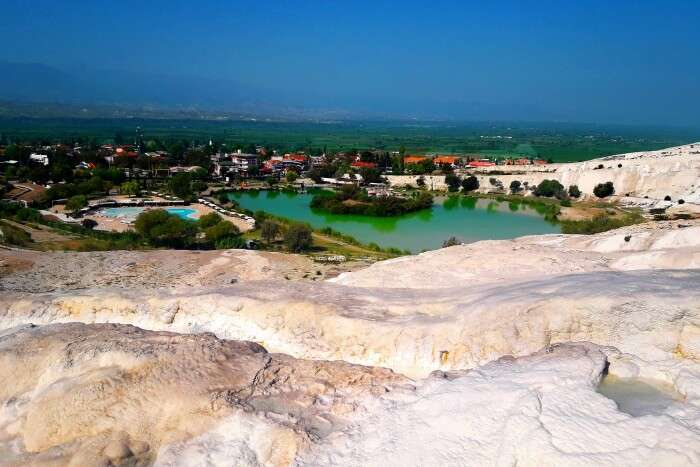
(597, 61)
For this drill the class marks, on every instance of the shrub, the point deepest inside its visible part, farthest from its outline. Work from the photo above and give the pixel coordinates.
(220, 231)
(681, 201)
(28, 215)
(599, 224)
(420, 181)
(565, 203)
(574, 191)
(159, 227)
(209, 220)
(515, 186)
(298, 237)
(667, 198)
(228, 243)
(89, 223)
(222, 197)
(269, 230)
(603, 190)
(14, 236)
(291, 176)
(470, 183)
(452, 241)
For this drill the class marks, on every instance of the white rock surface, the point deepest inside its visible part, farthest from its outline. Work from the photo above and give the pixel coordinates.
(632, 294)
(76, 394)
(532, 411)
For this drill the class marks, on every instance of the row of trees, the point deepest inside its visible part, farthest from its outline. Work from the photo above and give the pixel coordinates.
(554, 189)
(454, 182)
(547, 188)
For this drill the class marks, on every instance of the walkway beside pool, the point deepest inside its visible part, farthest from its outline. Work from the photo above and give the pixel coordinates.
(116, 223)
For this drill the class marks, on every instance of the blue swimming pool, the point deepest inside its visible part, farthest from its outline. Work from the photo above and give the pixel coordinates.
(130, 213)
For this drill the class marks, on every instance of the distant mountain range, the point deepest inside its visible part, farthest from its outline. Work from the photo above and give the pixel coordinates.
(37, 90)
(41, 91)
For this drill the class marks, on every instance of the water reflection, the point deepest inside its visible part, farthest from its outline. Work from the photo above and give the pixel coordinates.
(466, 218)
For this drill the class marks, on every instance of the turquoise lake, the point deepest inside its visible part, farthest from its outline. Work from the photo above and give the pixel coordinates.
(468, 219)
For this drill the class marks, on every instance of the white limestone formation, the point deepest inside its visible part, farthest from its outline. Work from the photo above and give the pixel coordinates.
(505, 343)
(673, 172)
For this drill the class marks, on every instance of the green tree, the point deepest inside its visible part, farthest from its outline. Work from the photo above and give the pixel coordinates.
(298, 237)
(550, 188)
(371, 175)
(515, 186)
(420, 181)
(314, 174)
(181, 185)
(603, 190)
(470, 183)
(75, 203)
(159, 227)
(209, 220)
(220, 231)
(269, 231)
(291, 176)
(574, 191)
(148, 220)
(130, 188)
(452, 182)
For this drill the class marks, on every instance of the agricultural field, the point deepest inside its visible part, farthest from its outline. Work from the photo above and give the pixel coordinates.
(558, 142)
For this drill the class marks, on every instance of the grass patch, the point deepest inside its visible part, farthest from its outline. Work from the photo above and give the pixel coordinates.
(600, 223)
(326, 240)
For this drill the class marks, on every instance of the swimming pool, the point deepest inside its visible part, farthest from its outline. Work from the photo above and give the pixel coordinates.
(132, 212)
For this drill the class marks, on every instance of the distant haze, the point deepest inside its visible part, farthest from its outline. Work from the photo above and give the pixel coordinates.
(628, 62)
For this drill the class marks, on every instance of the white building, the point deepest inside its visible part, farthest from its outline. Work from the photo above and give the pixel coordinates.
(245, 162)
(40, 158)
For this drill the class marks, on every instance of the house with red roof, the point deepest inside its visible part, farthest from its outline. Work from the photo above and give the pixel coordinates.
(413, 159)
(363, 165)
(452, 161)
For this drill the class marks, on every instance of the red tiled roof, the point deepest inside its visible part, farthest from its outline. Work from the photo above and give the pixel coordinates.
(364, 165)
(481, 164)
(413, 159)
(295, 157)
(446, 159)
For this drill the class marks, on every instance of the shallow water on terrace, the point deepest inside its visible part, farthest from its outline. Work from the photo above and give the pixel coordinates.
(468, 219)
(638, 397)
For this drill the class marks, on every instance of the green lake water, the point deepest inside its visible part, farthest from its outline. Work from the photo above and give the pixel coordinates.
(468, 219)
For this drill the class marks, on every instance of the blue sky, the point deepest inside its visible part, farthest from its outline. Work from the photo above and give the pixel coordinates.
(595, 61)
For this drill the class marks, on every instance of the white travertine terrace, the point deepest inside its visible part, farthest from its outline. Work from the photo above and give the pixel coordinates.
(654, 174)
(504, 343)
